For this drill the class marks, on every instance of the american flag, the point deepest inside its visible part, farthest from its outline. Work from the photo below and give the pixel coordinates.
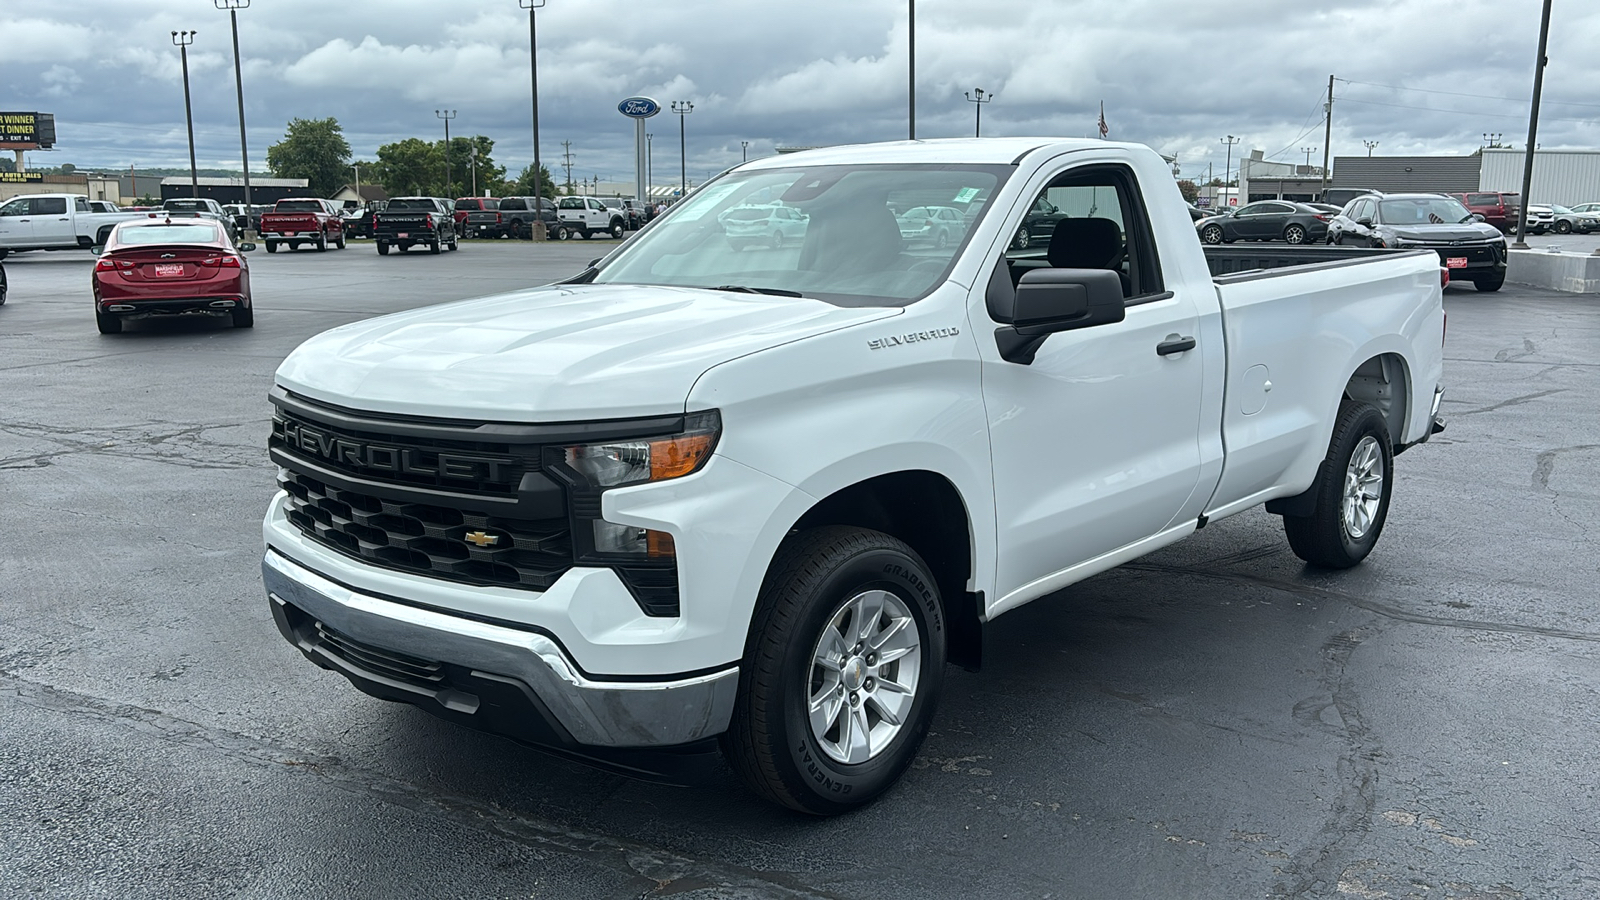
(1104, 128)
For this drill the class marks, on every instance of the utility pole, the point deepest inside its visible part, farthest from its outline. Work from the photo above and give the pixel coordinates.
(1327, 138)
(472, 161)
(536, 230)
(911, 77)
(1230, 140)
(446, 115)
(683, 108)
(977, 97)
(567, 163)
(1533, 130)
(182, 39)
(233, 7)
(649, 166)
(1370, 146)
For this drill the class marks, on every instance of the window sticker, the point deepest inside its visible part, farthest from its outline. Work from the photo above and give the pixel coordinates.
(965, 195)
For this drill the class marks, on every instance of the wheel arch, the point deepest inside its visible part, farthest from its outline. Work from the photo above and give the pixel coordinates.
(926, 510)
(1384, 380)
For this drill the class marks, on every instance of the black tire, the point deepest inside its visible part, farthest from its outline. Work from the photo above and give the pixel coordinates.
(322, 242)
(1021, 239)
(1324, 538)
(244, 317)
(1295, 234)
(272, 246)
(1563, 227)
(563, 233)
(107, 324)
(455, 242)
(435, 247)
(339, 241)
(1211, 234)
(1490, 283)
(770, 741)
(617, 230)
(383, 249)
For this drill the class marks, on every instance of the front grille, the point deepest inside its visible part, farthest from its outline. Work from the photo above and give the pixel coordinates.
(474, 467)
(430, 540)
(398, 666)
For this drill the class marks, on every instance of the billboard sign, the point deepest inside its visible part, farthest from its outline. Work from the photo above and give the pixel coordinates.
(31, 130)
(20, 177)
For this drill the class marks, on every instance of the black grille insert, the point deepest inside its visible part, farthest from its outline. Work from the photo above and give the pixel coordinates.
(430, 540)
(472, 467)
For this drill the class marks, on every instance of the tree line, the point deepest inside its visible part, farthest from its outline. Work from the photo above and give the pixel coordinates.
(316, 150)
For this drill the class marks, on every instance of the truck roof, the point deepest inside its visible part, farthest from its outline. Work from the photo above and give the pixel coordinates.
(960, 151)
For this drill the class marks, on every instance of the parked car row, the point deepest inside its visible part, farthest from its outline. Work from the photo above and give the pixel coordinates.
(1471, 248)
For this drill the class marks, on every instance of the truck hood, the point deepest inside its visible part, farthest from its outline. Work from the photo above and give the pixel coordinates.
(553, 354)
(1464, 231)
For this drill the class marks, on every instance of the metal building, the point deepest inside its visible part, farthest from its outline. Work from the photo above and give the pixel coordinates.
(1563, 177)
(1442, 174)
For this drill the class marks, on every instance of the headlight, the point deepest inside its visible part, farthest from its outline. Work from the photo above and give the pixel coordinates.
(617, 463)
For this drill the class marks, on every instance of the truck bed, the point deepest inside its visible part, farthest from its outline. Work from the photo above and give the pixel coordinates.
(1236, 263)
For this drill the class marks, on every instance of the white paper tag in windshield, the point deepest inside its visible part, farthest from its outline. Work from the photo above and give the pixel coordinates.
(707, 199)
(965, 195)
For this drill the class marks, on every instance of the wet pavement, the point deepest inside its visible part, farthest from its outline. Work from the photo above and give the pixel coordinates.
(1213, 720)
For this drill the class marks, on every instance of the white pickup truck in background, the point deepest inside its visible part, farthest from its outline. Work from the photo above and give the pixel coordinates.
(55, 222)
(588, 216)
(761, 497)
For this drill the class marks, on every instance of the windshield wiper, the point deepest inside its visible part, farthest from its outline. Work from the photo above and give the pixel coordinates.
(746, 289)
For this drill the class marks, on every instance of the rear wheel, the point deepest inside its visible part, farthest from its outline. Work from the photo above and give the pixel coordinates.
(1295, 234)
(322, 242)
(1352, 492)
(562, 233)
(1211, 234)
(455, 242)
(435, 247)
(244, 317)
(383, 249)
(107, 324)
(272, 246)
(843, 669)
(1022, 238)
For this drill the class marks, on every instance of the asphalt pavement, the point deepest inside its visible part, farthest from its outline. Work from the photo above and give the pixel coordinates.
(1214, 720)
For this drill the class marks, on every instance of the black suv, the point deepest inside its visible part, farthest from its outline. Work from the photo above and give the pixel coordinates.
(1470, 248)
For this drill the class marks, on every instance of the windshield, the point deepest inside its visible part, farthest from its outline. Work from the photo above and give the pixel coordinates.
(411, 204)
(186, 205)
(168, 234)
(1560, 210)
(1423, 211)
(299, 206)
(845, 246)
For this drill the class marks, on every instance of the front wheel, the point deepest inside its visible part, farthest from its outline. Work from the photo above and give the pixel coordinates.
(1211, 234)
(272, 246)
(1295, 234)
(322, 242)
(563, 233)
(617, 230)
(1491, 283)
(339, 241)
(1563, 228)
(1353, 487)
(383, 249)
(843, 668)
(455, 242)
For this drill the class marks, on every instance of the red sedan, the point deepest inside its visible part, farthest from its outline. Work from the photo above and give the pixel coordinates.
(159, 267)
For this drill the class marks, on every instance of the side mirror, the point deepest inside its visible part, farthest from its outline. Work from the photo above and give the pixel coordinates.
(1364, 221)
(1051, 300)
(246, 247)
(1478, 217)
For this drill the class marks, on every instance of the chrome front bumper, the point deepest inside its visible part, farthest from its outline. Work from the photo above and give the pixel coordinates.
(594, 713)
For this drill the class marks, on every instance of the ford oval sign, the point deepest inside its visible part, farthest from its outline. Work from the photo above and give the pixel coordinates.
(638, 107)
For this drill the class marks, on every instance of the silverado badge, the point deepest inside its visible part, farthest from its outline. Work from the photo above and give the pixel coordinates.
(483, 539)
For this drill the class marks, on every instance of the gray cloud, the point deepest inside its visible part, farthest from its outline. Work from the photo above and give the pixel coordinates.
(1417, 75)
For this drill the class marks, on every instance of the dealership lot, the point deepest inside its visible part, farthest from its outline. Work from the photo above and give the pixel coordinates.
(1213, 720)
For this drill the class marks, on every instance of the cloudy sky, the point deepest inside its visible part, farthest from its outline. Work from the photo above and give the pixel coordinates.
(1418, 76)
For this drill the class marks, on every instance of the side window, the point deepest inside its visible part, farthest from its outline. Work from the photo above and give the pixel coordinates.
(50, 206)
(1247, 211)
(18, 207)
(1097, 221)
(81, 205)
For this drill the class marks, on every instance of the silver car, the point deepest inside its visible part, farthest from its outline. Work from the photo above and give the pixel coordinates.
(1569, 220)
(936, 225)
(769, 226)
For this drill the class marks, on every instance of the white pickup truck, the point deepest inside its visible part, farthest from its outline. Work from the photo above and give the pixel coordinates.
(55, 222)
(764, 496)
(588, 216)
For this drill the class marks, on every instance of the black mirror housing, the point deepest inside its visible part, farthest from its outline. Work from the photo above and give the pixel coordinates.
(1050, 300)
(1365, 222)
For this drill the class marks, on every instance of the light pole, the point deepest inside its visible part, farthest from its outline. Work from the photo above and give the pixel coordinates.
(446, 115)
(1230, 140)
(744, 146)
(683, 108)
(1533, 129)
(358, 182)
(1371, 145)
(182, 40)
(911, 71)
(1308, 151)
(536, 230)
(1491, 139)
(233, 7)
(978, 99)
(649, 166)
(472, 160)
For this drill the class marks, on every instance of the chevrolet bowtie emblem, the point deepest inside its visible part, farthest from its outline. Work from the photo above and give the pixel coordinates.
(482, 539)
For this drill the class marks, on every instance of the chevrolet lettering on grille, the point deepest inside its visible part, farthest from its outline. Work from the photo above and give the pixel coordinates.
(384, 458)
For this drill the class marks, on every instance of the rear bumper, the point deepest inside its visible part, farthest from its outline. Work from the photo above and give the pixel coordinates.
(214, 304)
(509, 681)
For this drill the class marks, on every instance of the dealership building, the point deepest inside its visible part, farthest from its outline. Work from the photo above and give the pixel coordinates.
(1563, 177)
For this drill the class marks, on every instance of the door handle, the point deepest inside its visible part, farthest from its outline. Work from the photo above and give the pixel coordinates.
(1167, 348)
